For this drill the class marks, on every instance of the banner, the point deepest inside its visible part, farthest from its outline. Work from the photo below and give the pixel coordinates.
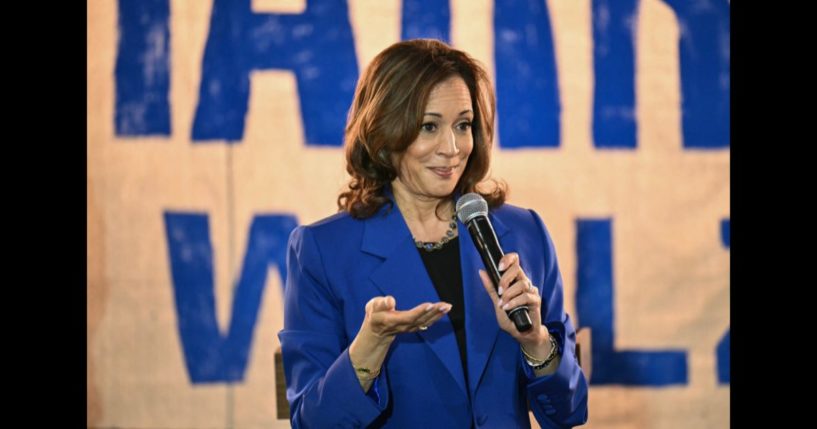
(215, 127)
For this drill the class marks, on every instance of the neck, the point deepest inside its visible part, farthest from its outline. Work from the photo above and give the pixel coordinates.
(422, 208)
(420, 213)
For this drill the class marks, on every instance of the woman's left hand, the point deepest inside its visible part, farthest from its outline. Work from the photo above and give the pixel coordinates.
(521, 292)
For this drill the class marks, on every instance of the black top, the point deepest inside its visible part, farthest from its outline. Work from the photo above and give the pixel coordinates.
(444, 268)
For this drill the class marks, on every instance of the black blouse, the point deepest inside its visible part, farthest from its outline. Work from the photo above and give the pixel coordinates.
(444, 268)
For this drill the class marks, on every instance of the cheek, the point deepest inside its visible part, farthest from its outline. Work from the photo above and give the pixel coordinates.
(467, 148)
(465, 156)
(418, 153)
(411, 164)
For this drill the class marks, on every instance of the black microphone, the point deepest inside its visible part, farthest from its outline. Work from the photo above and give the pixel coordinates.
(472, 210)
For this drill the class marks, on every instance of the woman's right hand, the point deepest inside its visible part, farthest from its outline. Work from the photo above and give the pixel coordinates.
(380, 326)
(384, 321)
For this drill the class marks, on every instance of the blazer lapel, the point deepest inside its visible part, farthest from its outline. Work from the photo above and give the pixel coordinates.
(481, 326)
(403, 276)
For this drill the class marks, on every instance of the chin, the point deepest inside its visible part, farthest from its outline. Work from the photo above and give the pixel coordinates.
(442, 192)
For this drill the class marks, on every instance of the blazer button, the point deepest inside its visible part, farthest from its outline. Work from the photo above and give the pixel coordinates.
(543, 398)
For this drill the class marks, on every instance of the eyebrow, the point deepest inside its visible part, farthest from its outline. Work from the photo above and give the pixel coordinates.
(440, 115)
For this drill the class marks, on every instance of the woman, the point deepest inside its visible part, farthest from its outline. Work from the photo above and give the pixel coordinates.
(389, 319)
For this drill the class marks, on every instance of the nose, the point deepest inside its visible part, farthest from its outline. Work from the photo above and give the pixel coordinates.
(448, 146)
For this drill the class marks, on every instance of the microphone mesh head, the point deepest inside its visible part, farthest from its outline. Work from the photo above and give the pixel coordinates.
(471, 205)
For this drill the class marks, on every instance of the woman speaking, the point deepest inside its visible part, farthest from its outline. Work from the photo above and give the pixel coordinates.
(390, 319)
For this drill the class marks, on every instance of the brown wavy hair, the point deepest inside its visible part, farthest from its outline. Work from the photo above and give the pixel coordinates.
(387, 114)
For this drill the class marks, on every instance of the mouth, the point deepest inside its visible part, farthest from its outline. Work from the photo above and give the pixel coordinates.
(444, 172)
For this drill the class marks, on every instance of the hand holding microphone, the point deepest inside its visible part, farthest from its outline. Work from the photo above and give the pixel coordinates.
(472, 210)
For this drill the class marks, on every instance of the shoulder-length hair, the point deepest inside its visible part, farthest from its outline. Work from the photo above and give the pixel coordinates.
(387, 114)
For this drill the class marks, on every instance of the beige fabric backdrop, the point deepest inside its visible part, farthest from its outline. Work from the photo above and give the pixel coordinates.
(670, 270)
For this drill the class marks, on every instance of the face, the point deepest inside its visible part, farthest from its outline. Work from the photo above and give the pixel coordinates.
(433, 164)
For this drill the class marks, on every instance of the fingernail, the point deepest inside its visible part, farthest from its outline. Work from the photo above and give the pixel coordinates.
(429, 307)
(499, 303)
(499, 291)
(447, 308)
(505, 307)
(501, 265)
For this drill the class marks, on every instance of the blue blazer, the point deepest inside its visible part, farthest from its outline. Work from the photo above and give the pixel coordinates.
(338, 264)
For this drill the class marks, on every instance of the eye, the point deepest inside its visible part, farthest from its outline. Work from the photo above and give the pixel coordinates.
(464, 126)
(429, 127)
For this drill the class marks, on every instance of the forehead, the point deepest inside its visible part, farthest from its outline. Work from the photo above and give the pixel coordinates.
(452, 92)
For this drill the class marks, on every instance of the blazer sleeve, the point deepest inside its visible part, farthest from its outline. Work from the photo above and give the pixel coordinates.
(322, 388)
(558, 400)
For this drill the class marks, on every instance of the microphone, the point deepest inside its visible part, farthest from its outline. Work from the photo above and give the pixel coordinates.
(472, 210)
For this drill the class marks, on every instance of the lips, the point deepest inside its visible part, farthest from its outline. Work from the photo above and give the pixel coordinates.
(444, 172)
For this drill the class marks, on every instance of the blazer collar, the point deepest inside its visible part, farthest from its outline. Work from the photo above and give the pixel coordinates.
(386, 228)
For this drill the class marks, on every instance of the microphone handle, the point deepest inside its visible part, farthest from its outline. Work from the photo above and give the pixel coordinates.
(484, 237)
